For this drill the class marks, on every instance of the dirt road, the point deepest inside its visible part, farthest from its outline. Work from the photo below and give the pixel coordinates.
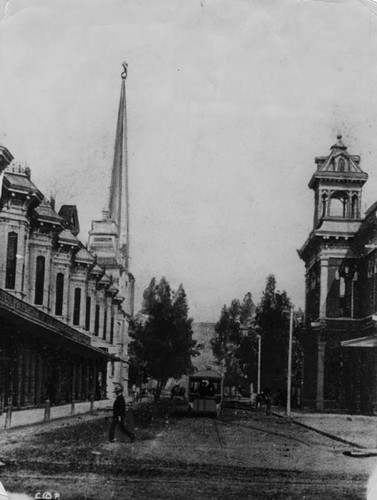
(240, 455)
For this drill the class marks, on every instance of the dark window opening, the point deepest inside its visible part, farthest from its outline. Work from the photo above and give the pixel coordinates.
(76, 306)
(10, 278)
(112, 330)
(105, 324)
(354, 207)
(59, 294)
(87, 313)
(96, 321)
(39, 280)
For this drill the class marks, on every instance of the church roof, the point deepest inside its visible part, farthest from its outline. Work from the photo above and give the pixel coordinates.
(118, 200)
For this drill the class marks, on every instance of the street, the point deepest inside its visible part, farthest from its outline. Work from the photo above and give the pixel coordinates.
(239, 455)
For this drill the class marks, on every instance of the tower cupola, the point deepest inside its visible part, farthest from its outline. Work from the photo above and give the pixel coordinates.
(337, 186)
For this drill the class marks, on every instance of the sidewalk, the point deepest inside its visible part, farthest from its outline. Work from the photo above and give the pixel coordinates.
(36, 415)
(357, 430)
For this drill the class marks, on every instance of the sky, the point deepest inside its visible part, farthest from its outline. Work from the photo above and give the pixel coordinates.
(229, 102)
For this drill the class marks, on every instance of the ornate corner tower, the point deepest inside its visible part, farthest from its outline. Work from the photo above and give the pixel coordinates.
(332, 264)
(328, 252)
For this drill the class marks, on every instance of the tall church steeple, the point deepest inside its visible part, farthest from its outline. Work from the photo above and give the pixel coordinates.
(119, 196)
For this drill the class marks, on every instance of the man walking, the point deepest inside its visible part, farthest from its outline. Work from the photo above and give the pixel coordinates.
(119, 414)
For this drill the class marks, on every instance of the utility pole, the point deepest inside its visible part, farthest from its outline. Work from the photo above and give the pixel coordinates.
(289, 380)
(259, 361)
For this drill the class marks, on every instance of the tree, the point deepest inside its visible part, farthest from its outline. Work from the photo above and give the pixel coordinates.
(234, 344)
(162, 343)
(272, 318)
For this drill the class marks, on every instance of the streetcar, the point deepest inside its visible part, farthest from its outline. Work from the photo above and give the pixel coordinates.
(205, 392)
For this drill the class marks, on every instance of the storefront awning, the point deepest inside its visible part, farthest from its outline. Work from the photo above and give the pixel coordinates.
(25, 318)
(361, 342)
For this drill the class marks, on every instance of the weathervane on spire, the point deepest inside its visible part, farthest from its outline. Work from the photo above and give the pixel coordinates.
(125, 70)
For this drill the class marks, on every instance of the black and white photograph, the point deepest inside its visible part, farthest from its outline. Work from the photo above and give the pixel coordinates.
(188, 249)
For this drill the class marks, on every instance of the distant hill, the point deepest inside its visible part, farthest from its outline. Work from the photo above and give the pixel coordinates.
(203, 333)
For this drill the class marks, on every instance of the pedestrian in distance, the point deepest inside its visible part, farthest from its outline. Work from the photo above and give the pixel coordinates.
(119, 415)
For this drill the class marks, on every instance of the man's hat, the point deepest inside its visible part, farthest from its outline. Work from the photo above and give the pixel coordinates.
(119, 388)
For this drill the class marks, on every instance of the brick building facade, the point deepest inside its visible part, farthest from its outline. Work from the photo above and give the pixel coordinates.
(340, 255)
(64, 306)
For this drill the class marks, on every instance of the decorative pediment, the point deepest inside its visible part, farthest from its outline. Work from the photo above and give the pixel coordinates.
(338, 166)
(339, 160)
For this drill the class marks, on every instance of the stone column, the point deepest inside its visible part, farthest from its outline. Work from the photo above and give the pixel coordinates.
(324, 288)
(320, 375)
(328, 211)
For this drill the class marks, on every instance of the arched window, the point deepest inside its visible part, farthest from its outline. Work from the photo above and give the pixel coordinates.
(10, 276)
(39, 280)
(342, 165)
(76, 306)
(59, 294)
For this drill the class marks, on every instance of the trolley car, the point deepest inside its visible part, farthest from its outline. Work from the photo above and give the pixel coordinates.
(205, 392)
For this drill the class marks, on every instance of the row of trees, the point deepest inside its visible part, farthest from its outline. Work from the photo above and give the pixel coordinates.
(235, 345)
(162, 343)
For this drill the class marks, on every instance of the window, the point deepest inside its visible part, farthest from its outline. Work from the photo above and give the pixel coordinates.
(87, 313)
(59, 294)
(39, 280)
(76, 306)
(105, 324)
(96, 321)
(10, 277)
(112, 330)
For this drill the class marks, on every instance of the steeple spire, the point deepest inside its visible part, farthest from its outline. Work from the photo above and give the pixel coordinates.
(118, 199)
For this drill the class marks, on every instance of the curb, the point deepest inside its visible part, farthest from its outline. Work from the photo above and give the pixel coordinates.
(323, 433)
